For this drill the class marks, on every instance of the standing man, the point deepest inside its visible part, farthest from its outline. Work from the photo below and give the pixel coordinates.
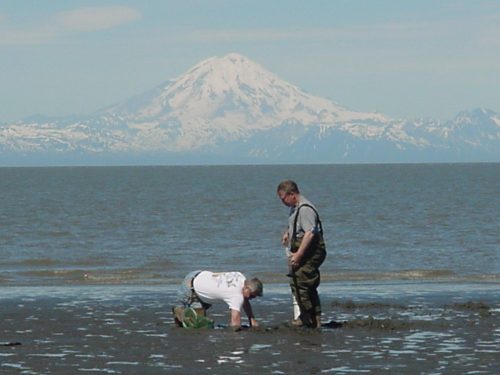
(304, 238)
(201, 289)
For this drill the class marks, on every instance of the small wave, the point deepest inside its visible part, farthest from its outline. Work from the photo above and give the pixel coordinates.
(424, 274)
(97, 276)
(50, 262)
(415, 274)
(404, 275)
(92, 262)
(59, 273)
(121, 276)
(41, 262)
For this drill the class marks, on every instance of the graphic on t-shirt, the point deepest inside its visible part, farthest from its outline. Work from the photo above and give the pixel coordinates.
(231, 279)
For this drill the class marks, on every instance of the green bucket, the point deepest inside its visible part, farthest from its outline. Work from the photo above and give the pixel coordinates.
(191, 320)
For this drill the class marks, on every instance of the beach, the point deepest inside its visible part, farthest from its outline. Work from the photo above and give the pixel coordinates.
(436, 329)
(92, 258)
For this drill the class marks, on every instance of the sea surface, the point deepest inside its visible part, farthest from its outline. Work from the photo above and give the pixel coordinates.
(151, 225)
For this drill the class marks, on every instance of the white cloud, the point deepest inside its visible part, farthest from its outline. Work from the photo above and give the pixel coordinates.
(82, 19)
(96, 18)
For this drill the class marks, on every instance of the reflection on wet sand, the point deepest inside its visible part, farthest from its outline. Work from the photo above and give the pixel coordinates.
(133, 333)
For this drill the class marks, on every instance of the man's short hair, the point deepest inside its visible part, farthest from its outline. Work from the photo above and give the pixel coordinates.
(288, 186)
(255, 286)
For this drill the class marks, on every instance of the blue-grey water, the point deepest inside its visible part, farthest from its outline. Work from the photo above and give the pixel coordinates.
(152, 225)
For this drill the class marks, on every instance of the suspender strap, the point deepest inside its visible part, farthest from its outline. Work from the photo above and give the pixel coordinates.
(318, 221)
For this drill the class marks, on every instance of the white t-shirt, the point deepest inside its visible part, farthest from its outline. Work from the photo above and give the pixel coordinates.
(212, 287)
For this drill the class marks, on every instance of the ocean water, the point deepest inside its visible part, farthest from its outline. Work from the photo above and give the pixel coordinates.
(152, 225)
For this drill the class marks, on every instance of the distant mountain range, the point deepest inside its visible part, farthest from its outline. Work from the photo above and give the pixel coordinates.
(231, 110)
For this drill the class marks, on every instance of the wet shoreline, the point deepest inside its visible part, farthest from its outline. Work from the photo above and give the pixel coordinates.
(47, 272)
(404, 329)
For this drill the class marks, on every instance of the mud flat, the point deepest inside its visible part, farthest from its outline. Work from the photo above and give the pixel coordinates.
(131, 332)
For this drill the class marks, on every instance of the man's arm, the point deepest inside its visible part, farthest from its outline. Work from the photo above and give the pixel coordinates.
(235, 318)
(248, 310)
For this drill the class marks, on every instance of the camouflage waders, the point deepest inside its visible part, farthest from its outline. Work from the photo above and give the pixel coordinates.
(306, 279)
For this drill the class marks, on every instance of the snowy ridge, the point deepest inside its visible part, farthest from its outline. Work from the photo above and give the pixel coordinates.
(231, 108)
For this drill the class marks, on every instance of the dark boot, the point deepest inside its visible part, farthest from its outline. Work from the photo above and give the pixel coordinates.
(307, 319)
(317, 321)
(178, 315)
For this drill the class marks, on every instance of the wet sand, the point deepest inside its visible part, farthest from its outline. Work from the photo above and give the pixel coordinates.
(132, 333)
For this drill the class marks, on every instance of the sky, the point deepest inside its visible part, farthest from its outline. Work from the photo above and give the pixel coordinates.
(405, 59)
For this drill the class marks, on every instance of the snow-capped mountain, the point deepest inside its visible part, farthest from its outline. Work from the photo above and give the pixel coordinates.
(226, 99)
(231, 109)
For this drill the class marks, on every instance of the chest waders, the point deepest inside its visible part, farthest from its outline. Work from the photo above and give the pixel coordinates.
(306, 278)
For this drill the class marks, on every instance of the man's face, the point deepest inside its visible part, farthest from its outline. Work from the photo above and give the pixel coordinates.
(248, 294)
(288, 199)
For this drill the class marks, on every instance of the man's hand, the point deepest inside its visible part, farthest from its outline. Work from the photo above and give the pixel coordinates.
(296, 257)
(295, 260)
(284, 239)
